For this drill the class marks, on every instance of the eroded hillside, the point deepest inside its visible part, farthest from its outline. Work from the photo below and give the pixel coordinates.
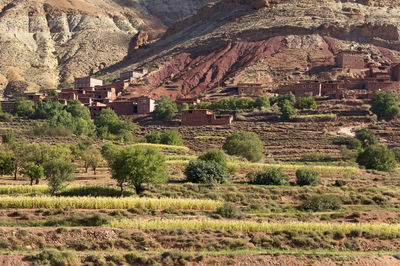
(45, 41)
(233, 41)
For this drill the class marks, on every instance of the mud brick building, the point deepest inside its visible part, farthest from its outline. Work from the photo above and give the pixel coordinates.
(250, 89)
(145, 105)
(204, 117)
(87, 82)
(351, 59)
(135, 74)
(8, 106)
(193, 100)
(302, 88)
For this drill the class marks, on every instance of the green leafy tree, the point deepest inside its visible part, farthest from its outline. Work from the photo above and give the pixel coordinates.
(377, 157)
(47, 109)
(262, 102)
(214, 155)
(33, 171)
(385, 106)
(109, 152)
(58, 172)
(272, 176)
(366, 137)
(244, 144)
(108, 122)
(153, 137)
(307, 177)
(171, 137)
(287, 110)
(23, 107)
(92, 158)
(165, 109)
(288, 96)
(209, 172)
(6, 163)
(136, 166)
(306, 102)
(18, 149)
(183, 107)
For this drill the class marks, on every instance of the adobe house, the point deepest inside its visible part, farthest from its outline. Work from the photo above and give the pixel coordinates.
(396, 72)
(351, 59)
(145, 105)
(35, 97)
(302, 88)
(124, 107)
(87, 82)
(67, 94)
(96, 108)
(250, 89)
(8, 106)
(135, 74)
(118, 86)
(199, 117)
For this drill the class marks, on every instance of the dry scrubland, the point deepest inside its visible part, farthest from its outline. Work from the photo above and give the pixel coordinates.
(185, 223)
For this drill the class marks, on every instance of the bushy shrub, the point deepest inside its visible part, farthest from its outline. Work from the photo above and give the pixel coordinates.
(322, 202)
(366, 137)
(378, 158)
(228, 210)
(272, 176)
(287, 110)
(262, 102)
(168, 137)
(306, 102)
(165, 109)
(206, 172)
(307, 177)
(244, 144)
(214, 155)
(384, 105)
(55, 257)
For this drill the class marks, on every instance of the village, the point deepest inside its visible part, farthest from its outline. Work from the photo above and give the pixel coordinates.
(128, 97)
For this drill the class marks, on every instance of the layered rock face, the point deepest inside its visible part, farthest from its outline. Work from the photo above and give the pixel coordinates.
(43, 42)
(280, 41)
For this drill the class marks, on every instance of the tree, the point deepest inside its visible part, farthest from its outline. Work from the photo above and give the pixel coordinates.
(214, 155)
(92, 158)
(18, 149)
(57, 173)
(47, 109)
(33, 171)
(165, 109)
(307, 177)
(272, 176)
(288, 96)
(306, 102)
(377, 157)
(171, 137)
(6, 164)
(287, 110)
(262, 102)
(135, 166)
(109, 152)
(108, 122)
(385, 106)
(23, 107)
(209, 172)
(153, 137)
(366, 137)
(244, 144)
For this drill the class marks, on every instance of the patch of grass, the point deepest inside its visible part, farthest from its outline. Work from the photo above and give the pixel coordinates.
(161, 146)
(106, 203)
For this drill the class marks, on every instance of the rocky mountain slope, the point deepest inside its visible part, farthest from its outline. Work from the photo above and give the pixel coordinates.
(250, 40)
(45, 41)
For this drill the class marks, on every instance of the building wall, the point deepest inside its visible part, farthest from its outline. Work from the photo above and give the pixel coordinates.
(87, 82)
(203, 118)
(133, 74)
(396, 72)
(300, 89)
(354, 60)
(8, 106)
(123, 107)
(145, 105)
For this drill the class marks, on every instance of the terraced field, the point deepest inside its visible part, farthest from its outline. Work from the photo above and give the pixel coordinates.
(181, 223)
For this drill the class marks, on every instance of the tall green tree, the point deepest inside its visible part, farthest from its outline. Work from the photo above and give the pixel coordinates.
(58, 172)
(287, 110)
(366, 137)
(23, 107)
(245, 144)
(385, 106)
(135, 166)
(92, 158)
(6, 163)
(165, 109)
(33, 171)
(377, 157)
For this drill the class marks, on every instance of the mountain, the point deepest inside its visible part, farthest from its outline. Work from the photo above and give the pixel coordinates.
(272, 41)
(43, 42)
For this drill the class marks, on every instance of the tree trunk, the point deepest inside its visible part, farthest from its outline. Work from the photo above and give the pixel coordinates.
(31, 181)
(121, 186)
(94, 170)
(37, 182)
(138, 189)
(15, 173)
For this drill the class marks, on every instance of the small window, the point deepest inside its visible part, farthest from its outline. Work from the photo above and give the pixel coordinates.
(191, 112)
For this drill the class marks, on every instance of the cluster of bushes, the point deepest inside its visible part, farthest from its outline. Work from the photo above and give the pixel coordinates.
(288, 104)
(234, 103)
(273, 176)
(168, 137)
(385, 105)
(244, 144)
(366, 151)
